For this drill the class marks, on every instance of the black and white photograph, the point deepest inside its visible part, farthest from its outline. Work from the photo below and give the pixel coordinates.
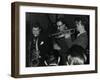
(57, 39)
(51, 39)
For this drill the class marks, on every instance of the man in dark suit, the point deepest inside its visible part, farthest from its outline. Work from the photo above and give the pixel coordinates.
(39, 46)
(81, 40)
(60, 42)
(82, 37)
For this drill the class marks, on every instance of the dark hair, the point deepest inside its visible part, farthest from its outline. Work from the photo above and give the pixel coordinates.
(61, 19)
(52, 57)
(77, 51)
(84, 21)
(36, 25)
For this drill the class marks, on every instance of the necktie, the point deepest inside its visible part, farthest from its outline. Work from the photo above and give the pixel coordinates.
(36, 45)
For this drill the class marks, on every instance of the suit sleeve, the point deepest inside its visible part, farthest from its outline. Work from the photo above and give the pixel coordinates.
(82, 40)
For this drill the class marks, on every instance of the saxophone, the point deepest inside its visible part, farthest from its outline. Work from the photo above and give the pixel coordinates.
(35, 55)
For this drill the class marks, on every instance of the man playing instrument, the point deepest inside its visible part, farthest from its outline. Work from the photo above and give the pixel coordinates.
(38, 46)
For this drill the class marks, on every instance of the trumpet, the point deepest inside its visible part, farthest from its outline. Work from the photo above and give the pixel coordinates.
(66, 31)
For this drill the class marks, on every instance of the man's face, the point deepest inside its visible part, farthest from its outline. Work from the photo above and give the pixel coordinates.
(36, 31)
(78, 25)
(60, 25)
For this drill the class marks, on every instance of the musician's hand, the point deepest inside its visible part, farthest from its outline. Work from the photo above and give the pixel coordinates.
(67, 35)
(60, 36)
(56, 47)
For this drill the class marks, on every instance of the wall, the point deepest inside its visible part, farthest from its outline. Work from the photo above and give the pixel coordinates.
(5, 40)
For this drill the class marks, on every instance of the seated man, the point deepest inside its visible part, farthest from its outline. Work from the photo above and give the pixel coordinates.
(76, 55)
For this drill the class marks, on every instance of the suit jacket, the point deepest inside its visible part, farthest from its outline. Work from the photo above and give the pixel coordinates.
(43, 45)
(81, 40)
